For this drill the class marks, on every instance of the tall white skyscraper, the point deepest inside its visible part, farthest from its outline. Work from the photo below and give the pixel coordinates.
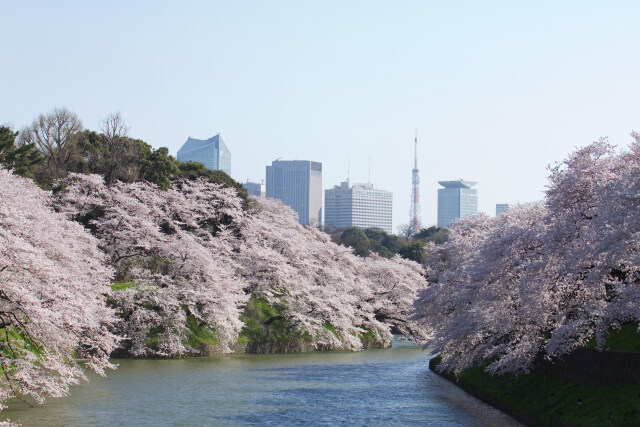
(358, 205)
(298, 183)
(456, 200)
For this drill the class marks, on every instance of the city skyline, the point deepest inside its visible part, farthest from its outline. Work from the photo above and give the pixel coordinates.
(497, 90)
(346, 205)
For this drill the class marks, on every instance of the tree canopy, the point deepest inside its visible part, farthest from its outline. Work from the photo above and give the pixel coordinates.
(52, 298)
(414, 251)
(192, 252)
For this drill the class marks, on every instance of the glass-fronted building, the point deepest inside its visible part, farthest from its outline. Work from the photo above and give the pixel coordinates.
(255, 189)
(456, 200)
(298, 183)
(358, 205)
(501, 207)
(212, 153)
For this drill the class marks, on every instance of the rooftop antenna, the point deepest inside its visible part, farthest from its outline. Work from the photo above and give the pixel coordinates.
(415, 152)
(369, 179)
(348, 169)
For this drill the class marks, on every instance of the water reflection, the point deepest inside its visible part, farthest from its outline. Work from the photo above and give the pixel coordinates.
(374, 387)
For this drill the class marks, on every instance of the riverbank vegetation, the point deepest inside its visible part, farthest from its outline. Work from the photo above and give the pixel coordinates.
(542, 279)
(194, 251)
(547, 396)
(544, 399)
(128, 249)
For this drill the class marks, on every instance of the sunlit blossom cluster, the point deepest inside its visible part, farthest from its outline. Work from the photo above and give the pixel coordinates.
(53, 283)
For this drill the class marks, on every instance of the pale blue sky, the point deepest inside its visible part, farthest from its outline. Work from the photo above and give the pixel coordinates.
(497, 90)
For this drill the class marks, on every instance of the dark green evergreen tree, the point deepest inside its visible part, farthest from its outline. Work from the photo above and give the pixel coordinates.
(159, 167)
(22, 159)
(432, 234)
(414, 251)
(356, 239)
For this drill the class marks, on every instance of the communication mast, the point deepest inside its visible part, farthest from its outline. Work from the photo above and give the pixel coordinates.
(414, 214)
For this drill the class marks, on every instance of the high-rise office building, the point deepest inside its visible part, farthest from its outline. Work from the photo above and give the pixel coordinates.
(456, 200)
(255, 189)
(358, 205)
(298, 183)
(501, 207)
(212, 153)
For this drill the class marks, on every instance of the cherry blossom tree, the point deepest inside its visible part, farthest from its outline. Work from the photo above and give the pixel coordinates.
(394, 284)
(474, 298)
(193, 252)
(322, 283)
(618, 247)
(316, 280)
(172, 250)
(596, 237)
(540, 280)
(53, 286)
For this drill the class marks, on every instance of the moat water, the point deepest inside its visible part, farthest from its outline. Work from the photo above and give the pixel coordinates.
(372, 387)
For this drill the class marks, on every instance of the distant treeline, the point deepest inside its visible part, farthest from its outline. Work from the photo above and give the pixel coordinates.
(57, 143)
(411, 246)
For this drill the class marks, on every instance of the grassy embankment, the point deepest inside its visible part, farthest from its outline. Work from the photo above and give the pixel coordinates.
(198, 334)
(549, 397)
(266, 329)
(264, 323)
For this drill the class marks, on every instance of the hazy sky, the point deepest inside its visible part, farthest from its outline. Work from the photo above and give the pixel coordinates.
(497, 90)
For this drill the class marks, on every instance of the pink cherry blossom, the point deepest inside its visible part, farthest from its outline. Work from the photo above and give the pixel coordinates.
(53, 285)
(542, 279)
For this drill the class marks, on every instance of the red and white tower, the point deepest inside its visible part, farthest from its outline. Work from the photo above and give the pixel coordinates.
(414, 214)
